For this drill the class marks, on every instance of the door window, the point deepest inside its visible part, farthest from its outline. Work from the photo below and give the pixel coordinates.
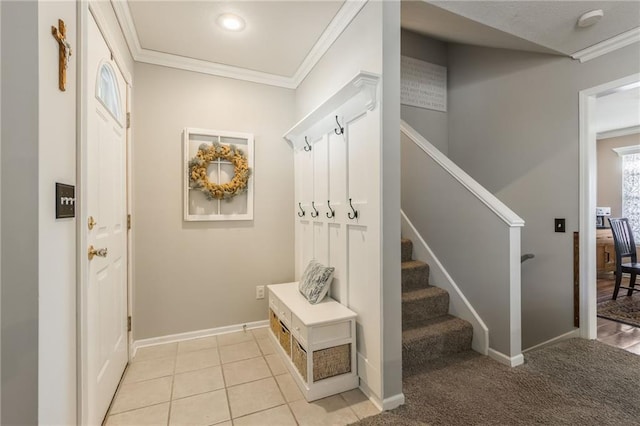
(107, 91)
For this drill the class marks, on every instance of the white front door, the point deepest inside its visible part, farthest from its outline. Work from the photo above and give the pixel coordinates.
(106, 206)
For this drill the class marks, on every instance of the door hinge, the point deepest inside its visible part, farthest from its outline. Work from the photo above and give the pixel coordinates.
(128, 221)
(128, 120)
(129, 323)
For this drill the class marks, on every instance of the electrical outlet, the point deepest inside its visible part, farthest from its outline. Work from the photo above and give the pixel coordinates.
(260, 292)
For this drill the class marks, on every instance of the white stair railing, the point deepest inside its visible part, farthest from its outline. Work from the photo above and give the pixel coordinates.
(472, 235)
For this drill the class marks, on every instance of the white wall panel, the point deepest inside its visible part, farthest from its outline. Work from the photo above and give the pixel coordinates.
(299, 159)
(365, 300)
(337, 169)
(338, 259)
(321, 241)
(359, 146)
(305, 248)
(360, 297)
(353, 171)
(321, 174)
(305, 159)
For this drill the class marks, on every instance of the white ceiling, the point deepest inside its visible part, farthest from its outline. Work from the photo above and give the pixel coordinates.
(430, 20)
(283, 40)
(619, 110)
(277, 38)
(551, 24)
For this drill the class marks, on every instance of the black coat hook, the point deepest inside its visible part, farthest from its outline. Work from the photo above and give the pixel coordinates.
(313, 206)
(341, 132)
(333, 212)
(355, 212)
(301, 213)
(308, 147)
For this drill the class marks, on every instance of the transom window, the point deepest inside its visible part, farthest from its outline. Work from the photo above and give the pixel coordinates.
(107, 91)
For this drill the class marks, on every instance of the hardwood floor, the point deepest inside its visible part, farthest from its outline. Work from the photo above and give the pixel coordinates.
(614, 333)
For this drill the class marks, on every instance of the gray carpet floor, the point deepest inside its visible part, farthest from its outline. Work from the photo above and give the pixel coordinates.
(574, 382)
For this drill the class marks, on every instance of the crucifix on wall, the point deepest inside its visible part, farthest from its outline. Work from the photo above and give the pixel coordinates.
(64, 49)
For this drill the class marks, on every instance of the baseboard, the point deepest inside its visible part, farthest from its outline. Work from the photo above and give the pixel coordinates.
(171, 338)
(393, 402)
(375, 400)
(383, 405)
(511, 361)
(369, 375)
(569, 335)
(459, 305)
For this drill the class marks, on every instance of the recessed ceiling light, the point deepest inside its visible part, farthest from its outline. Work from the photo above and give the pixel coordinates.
(231, 22)
(590, 18)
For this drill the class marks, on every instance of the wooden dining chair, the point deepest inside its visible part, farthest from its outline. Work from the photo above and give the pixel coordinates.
(625, 247)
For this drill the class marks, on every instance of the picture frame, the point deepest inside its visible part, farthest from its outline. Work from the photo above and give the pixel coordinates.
(196, 205)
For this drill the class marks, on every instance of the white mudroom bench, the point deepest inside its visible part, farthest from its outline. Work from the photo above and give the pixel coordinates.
(317, 342)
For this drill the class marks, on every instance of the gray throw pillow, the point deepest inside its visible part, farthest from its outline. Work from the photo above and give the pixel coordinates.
(315, 281)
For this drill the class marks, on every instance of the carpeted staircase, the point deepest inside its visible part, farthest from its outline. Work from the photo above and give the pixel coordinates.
(428, 331)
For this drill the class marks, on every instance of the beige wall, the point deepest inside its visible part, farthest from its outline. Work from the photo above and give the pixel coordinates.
(57, 237)
(191, 276)
(514, 127)
(610, 172)
(390, 203)
(20, 228)
(429, 123)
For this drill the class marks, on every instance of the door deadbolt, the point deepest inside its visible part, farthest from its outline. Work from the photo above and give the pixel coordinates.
(99, 252)
(91, 223)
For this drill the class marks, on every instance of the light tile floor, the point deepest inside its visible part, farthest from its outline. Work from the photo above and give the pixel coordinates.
(230, 379)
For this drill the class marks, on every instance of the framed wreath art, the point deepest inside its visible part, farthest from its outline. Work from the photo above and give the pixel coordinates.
(218, 183)
(199, 171)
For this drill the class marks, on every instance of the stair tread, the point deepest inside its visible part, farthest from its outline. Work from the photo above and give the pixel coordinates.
(406, 249)
(436, 326)
(410, 264)
(423, 293)
(415, 275)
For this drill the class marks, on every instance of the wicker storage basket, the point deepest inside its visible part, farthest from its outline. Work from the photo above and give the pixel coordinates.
(285, 338)
(299, 358)
(274, 324)
(331, 362)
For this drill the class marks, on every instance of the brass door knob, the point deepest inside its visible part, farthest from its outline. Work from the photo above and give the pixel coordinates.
(99, 252)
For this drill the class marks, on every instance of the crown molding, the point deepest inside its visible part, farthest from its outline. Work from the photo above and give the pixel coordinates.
(123, 14)
(627, 150)
(343, 18)
(338, 24)
(211, 68)
(609, 45)
(618, 132)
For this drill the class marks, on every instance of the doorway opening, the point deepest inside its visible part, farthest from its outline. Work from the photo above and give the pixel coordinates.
(588, 197)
